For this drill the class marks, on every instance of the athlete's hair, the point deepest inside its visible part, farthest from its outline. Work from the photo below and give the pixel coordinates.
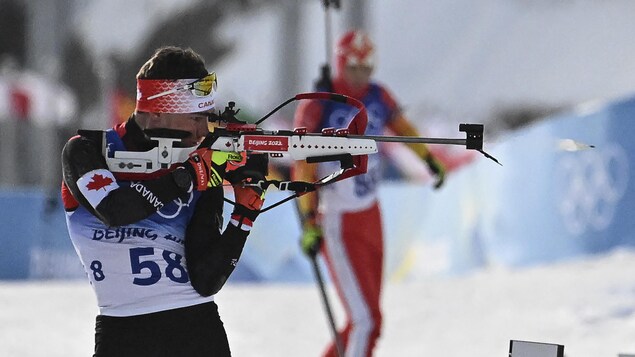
(171, 62)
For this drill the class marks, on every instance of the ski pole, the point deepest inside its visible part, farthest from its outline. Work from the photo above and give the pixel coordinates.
(327, 25)
(325, 299)
(324, 83)
(327, 306)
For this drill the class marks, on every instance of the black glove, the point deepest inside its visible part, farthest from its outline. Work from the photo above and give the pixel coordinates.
(249, 199)
(438, 169)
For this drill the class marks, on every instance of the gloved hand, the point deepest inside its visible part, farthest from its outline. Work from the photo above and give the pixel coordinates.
(206, 167)
(248, 199)
(256, 165)
(311, 240)
(437, 168)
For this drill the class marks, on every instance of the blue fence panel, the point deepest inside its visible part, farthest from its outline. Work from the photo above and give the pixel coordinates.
(20, 232)
(35, 242)
(554, 204)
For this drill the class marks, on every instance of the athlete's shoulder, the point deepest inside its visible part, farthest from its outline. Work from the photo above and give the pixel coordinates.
(84, 139)
(82, 151)
(384, 94)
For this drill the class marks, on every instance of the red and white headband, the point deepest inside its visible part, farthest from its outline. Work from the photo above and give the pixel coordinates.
(176, 95)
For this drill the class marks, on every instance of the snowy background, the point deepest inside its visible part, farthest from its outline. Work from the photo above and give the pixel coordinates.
(587, 305)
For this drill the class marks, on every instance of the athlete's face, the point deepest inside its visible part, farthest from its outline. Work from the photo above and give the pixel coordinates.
(195, 124)
(357, 76)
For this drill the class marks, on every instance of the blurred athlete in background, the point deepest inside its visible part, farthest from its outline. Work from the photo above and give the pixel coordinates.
(346, 215)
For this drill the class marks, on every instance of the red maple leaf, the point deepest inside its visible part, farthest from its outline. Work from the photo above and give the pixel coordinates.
(98, 181)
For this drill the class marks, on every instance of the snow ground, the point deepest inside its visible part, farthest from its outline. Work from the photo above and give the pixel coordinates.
(588, 305)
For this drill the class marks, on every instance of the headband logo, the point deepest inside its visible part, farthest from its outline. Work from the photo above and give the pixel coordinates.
(176, 95)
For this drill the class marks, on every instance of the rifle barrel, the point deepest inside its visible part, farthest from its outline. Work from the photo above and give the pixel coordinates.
(410, 139)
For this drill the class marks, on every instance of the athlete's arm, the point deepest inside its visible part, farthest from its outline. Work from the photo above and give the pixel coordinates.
(401, 126)
(307, 115)
(86, 175)
(211, 256)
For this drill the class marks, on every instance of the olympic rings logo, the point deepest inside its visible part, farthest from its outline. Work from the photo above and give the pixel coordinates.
(594, 182)
(180, 204)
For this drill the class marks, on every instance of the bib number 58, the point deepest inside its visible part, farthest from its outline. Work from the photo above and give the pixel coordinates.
(141, 265)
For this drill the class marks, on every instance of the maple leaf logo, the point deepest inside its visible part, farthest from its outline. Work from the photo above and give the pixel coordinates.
(98, 181)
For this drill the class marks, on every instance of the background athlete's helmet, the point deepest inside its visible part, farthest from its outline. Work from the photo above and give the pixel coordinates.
(354, 48)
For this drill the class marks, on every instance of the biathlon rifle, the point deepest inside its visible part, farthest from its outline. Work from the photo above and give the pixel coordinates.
(347, 145)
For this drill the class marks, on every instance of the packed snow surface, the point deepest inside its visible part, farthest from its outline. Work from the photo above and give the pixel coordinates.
(587, 305)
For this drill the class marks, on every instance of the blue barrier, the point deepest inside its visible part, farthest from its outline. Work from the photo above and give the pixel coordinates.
(19, 232)
(545, 204)
(35, 243)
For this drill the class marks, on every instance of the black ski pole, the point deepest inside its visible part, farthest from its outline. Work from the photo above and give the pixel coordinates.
(325, 299)
(327, 306)
(324, 82)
